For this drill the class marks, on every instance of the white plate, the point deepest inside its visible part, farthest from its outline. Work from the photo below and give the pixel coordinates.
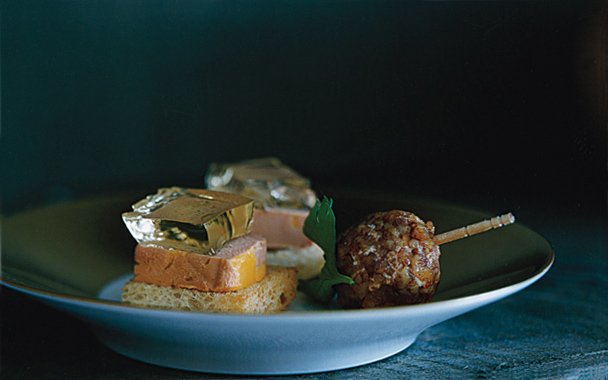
(80, 260)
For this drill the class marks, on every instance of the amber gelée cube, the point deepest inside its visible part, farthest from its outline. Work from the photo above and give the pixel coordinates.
(267, 180)
(196, 220)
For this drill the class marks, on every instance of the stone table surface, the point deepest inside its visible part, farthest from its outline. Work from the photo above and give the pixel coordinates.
(555, 329)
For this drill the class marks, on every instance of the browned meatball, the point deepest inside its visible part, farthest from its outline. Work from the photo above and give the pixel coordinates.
(392, 258)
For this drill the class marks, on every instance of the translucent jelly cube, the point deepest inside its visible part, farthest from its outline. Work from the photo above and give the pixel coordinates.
(267, 180)
(194, 220)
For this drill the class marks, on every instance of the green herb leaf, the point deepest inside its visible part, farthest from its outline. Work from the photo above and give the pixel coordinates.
(320, 227)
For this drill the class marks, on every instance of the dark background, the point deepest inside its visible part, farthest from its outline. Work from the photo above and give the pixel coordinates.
(498, 103)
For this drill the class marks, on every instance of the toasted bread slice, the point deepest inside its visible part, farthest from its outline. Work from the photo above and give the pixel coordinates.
(271, 295)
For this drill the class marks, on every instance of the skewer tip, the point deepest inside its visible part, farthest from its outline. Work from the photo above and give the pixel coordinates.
(473, 229)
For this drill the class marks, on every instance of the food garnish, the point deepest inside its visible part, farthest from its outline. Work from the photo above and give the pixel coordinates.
(320, 227)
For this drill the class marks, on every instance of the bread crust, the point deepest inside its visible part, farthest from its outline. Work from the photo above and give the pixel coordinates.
(271, 295)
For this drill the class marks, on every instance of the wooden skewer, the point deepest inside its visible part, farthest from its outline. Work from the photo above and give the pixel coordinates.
(475, 228)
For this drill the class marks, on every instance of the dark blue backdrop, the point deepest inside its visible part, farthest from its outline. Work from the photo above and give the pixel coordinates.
(458, 100)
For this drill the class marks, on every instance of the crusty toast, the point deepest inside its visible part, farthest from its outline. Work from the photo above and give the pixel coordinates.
(272, 294)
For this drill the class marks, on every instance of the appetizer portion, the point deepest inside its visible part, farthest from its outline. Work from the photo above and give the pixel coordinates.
(393, 258)
(387, 259)
(196, 251)
(283, 199)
